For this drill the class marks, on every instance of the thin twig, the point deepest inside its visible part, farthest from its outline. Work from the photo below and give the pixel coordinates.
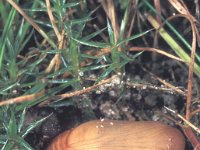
(146, 86)
(187, 129)
(79, 92)
(30, 97)
(183, 119)
(165, 83)
(88, 89)
(195, 112)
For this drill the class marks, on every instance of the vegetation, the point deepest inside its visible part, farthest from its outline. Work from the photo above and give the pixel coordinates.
(58, 49)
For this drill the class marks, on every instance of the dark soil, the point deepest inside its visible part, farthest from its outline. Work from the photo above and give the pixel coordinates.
(121, 103)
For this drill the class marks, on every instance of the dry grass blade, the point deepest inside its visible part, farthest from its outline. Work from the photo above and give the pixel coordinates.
(187, 130)
(166, 83)
(157, 51)
(143, 86)
(185, 120)
(195, 112)
(53, 21)
(80, 92)
(132, 7)
(30, 97)
(181, 8)
(56, 61)
(158, 9)
(21, 99)
(88, 89)
(109, 8)
(36, 26)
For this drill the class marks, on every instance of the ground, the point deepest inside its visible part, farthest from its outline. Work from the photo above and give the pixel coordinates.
(134, 102)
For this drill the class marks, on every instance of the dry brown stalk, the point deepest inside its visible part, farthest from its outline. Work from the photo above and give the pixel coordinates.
(30, 97)
(182, 9)
(157, 51)
(166, 83)
(53, 21)
(109, 8)
(21, 99)
(80, 92)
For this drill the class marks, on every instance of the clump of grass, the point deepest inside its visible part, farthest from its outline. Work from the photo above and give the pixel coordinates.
(35, 75)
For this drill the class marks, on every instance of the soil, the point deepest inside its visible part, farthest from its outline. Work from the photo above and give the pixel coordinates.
(136, 102)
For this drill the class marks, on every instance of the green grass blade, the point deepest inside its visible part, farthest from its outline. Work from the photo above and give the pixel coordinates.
(90, 36)
(133, 37)
(21, 120)
(174, 45)
(23, 144)
(5, 34)
(110, 33)
(33, 125)
(12, 126)
(92, 44)
(172, 28)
